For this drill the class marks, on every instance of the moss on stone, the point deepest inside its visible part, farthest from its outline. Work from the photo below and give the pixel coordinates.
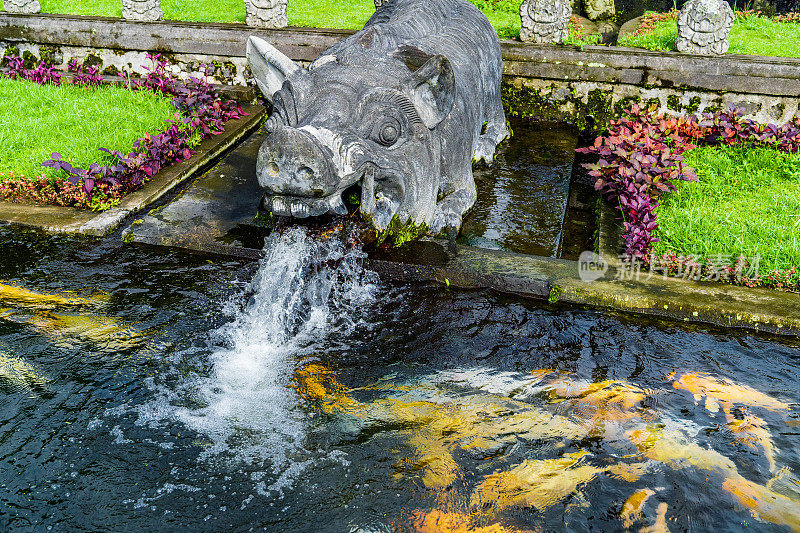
(264, 220)
(674, 103)
(92, 60)
(654, 101)
(714, 106)
(30, 60)
(694, 105)
(398, 233)
(527, 102)
(223, 71)
(555, 294)
(11, 51)
(49, 54)
(523, 101)
(624, 104)
(110, 70)
(598, 106)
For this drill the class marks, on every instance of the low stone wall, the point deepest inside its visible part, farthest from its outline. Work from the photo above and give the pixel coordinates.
(583, 86)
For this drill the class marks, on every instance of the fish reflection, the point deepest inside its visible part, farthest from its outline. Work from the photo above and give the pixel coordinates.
(67, 320)
(18, 375)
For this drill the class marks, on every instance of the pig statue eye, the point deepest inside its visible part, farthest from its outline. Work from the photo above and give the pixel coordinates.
(386, 132)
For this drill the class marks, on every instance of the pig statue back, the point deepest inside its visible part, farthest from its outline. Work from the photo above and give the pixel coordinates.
(402, 108)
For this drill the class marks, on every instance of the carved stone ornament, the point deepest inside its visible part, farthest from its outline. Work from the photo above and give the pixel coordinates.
(401, 108)
(142, 10)
(704, 26)
(22, 6)
(599, 9)
(380, 3)
(545, 21)
(266, 13)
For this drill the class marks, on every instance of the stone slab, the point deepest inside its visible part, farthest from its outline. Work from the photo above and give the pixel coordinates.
(558, 280)
(727, 73)
(215, 214)
(78, 221)
(162, 36)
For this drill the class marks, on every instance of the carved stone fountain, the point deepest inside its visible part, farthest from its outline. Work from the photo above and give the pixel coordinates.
(401, 109)
(545, 21)
(22, 6)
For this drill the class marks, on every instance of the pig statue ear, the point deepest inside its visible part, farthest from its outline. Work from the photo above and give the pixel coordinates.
(269, 66)
(432, 86)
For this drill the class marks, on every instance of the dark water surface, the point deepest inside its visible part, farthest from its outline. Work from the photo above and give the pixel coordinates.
(166, 392)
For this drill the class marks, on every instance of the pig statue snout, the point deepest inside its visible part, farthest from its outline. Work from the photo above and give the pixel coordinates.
(295, 171)
(291, 162)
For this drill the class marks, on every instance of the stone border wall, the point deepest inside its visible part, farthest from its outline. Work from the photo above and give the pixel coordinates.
(583, 86)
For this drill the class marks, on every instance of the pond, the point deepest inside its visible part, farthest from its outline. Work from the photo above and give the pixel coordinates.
(151, 389)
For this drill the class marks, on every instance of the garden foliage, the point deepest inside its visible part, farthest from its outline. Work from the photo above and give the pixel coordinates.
(200, 113)
(640, 159)
(650, 21)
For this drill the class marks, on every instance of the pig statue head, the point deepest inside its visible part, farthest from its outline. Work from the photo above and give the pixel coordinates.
(338, 123)
(402, 108)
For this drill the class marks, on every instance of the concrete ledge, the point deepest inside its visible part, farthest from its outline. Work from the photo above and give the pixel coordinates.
(172, 37)
(586, 86)
(728, 73)
(558, 280)
(609, 234)
(79, 221)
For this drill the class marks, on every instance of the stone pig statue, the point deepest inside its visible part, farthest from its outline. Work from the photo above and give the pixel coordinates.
(403, 107)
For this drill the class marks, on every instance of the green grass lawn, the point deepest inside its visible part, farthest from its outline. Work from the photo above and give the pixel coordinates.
(750, 35)
(36, 120)
(746, 202)
(340, 14)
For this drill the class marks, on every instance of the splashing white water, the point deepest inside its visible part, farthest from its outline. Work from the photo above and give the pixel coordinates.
(303, 292)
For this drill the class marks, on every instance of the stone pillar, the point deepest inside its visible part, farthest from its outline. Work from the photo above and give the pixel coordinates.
(22, 6)
(142, 10)
(266, 13)
(545, 21)
(704, 26)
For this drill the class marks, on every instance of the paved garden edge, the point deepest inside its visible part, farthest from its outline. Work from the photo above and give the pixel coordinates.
(585, 86)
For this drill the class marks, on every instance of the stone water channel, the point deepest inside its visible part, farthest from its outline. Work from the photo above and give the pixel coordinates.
(151, 388)
(523, 201)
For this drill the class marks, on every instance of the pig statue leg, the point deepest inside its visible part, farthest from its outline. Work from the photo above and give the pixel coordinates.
(495, 133)
(452, 207)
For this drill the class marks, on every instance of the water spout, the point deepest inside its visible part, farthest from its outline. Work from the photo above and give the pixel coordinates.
(303, 292)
